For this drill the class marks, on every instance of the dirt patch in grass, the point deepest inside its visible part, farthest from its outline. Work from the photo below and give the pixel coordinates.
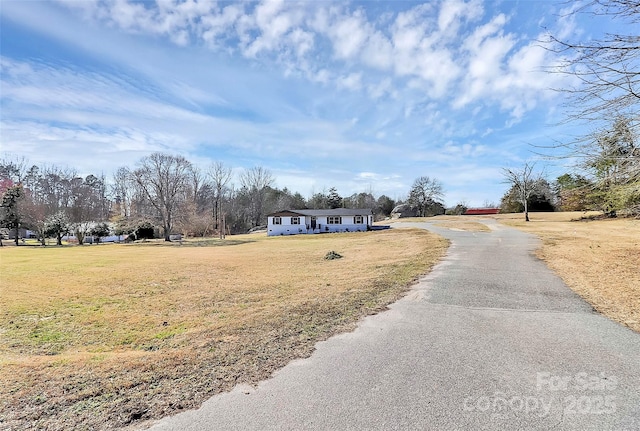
(598, 259)
(471, 226)
(108, 336)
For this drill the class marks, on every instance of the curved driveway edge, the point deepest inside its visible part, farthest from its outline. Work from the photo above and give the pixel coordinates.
(490, 339)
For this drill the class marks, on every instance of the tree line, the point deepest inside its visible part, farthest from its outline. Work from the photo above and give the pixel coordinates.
(606, 178)
(163, 192)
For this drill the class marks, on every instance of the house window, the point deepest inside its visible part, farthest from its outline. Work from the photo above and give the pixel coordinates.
(295, 220)
(358, 220)
(277, 220)
(334, 220)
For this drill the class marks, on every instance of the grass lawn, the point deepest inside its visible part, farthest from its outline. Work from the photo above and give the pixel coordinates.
(104, 336)
(598, 259)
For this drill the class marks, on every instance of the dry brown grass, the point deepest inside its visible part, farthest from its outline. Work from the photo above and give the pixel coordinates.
(471, 226)
(598, 259)
(105, 336)
(419, 219)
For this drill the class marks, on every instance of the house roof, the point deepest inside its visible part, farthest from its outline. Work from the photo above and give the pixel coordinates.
(331, 212)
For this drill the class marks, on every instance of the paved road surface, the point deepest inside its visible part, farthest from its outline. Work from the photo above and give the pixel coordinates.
(491, 339)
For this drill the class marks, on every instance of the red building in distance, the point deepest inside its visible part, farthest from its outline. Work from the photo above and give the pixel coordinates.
(481, 211)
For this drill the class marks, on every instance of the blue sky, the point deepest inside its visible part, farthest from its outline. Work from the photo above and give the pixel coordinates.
(361, 96)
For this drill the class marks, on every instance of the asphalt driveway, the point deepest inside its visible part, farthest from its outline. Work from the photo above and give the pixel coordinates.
(491, 339)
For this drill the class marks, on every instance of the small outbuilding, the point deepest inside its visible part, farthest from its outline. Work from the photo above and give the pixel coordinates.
(294, 222)
(482, 211)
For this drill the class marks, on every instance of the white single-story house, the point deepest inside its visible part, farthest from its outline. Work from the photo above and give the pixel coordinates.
(294, 222)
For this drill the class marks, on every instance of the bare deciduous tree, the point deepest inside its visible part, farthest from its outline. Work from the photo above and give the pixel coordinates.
(197, 181)
(424, 193)
(608, 68)
(525, 182)
(163, 178)
(220, 176)
(88, 204)
(13, 168)
(255, 182)
(121, 191)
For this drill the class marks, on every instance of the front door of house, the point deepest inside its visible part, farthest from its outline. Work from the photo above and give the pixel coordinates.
(313, 223)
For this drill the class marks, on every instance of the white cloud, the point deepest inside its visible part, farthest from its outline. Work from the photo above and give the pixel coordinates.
(408, 31)
(487, 47)
(566, 25)
(322, 76)
(382, 88)
(272, 24)
(348, 34)
(481, 33)
(216, 26)
(89, 150)
(462, 151)
(422, 54)
(353, 81)
(367, 175)
(453, 12)
(378, 52)
(417, 47)
(302, 41)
